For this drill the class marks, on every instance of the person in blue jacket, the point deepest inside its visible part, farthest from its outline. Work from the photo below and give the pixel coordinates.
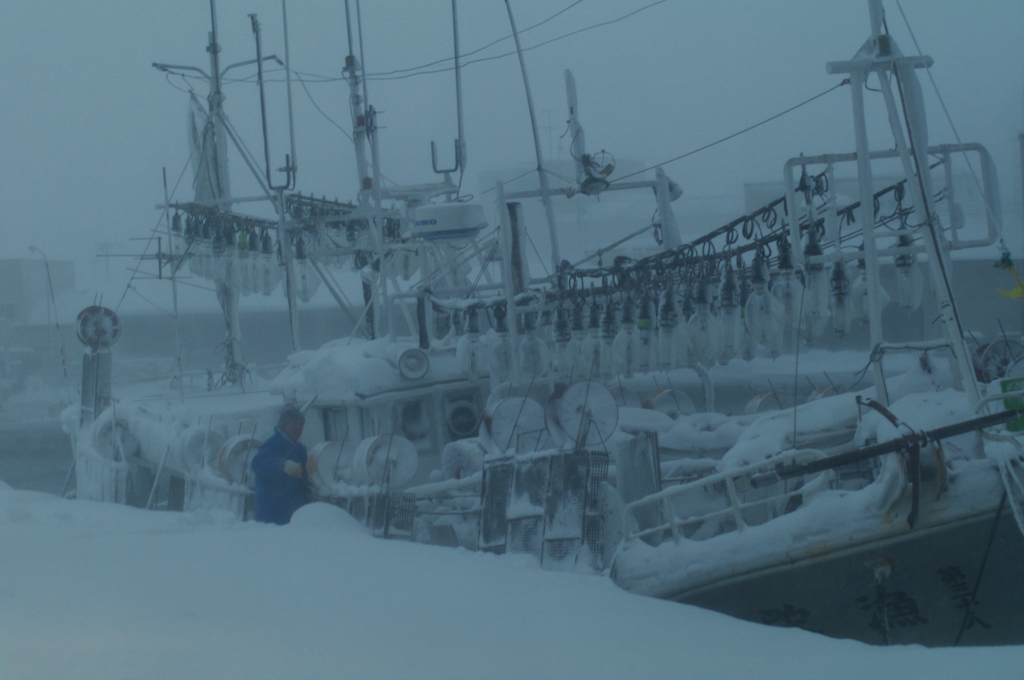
(280, 466)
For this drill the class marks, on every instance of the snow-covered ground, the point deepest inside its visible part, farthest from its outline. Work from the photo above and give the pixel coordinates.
(90, 590)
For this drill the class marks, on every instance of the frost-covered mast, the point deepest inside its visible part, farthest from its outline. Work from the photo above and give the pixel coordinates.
(212, 186)
(364, 128)
(881, 56)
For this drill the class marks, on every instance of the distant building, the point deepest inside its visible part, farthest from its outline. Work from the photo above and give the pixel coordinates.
(24, 287)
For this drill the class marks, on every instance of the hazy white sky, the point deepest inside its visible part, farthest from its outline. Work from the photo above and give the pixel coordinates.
(87, 123)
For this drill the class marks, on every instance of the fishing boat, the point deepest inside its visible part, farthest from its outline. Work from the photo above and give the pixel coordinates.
(598, 417)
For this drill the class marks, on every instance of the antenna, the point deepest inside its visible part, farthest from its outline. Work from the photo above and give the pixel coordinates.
(288, 168)
(460, 143)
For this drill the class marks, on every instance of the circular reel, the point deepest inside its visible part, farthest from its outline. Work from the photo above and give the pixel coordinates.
(98, 327)
(388, 459)
(588, 414)
(234, 458)
(514, 424)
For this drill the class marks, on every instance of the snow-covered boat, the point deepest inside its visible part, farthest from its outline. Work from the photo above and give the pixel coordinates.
(573, 416)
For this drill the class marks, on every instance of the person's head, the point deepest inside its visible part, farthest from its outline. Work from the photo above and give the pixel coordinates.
(291, 422)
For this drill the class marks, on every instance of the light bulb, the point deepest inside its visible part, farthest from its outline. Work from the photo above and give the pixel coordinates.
(816, 293)
(788, 291)
(667, 320)
(609, 329)
(270, 272)
(588, 363)
(908, 277)
(534, 354)
(729, 315)
(567, 345)
(762, 311)
(703, 331)
(840, 290)
(499, 358)
(626, 345)
(644, 333)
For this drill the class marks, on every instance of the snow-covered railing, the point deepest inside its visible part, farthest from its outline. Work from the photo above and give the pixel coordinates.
(723, 502)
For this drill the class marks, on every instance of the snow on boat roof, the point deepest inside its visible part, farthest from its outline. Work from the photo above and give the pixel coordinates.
(349, 370)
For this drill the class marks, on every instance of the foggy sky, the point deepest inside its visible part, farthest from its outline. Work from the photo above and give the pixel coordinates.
(87, 124)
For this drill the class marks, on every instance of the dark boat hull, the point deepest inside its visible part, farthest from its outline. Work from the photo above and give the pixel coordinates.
(922, 594)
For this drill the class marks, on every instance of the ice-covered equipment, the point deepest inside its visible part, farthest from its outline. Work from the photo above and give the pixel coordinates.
(514, 424)
(387, 460)
(448, 221)
(234, 458)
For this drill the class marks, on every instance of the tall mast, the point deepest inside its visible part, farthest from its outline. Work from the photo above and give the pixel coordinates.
(542, 175)
(214, 143)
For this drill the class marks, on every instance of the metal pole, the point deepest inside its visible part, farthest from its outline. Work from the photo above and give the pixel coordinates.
(867, 221)
(933, 248)
(284, 240)
(293, 163)
(507, 277)
(174, 291)
(460, 157)
(371, 122)
(548, 210)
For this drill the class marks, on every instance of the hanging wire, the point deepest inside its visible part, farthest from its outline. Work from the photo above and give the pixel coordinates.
(736, 134)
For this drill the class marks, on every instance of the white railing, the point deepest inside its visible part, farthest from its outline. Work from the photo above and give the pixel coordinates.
(742, 497)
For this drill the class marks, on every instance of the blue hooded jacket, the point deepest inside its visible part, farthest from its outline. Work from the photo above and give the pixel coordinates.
(277, 494)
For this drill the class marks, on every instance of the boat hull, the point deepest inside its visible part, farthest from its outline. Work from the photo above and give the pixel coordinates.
(914, 588)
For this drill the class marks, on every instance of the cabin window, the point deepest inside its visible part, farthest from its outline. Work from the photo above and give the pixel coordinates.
(336, 424)
(414, 423)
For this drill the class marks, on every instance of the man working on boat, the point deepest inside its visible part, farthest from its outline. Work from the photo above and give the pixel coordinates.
(282, 470)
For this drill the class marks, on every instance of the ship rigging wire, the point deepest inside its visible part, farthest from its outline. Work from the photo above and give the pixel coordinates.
(735, 134)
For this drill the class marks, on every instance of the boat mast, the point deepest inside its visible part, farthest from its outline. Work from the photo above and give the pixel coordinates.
(881, 56)
(214, 144)
(544, 196)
